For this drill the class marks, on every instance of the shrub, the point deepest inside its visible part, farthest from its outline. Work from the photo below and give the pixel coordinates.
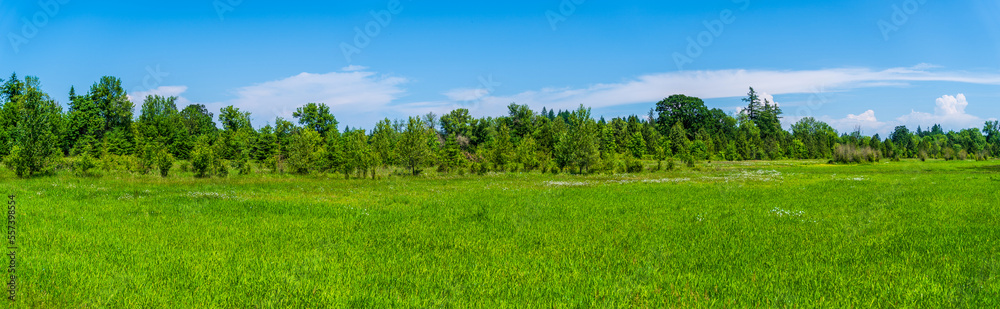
(164, 161)
(853, 154)
(221, 168)
(84, 165)
(632, 165)
(963, 155)
(147, 160)
(619, 166)
(242, 164)
(949, 154)
(201, 160)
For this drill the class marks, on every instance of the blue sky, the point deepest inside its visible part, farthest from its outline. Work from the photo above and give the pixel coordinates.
(874, 64)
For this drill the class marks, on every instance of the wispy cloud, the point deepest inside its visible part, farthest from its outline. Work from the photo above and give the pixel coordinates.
(363, 95)
(138, 98)
(733, 83)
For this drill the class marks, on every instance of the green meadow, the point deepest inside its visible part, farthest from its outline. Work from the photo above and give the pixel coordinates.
(747, 234)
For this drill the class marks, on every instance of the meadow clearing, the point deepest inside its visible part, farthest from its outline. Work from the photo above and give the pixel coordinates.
(773, 234)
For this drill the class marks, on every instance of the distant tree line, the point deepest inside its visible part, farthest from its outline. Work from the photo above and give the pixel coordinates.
(99, 131)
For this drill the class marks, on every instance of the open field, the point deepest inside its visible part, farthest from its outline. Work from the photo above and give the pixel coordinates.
(795, 234)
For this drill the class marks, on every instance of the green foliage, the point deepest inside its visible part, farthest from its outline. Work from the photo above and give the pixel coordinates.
(305, 151)
(160, 123)
(414, 145)
(35, 138)
(699, 151)
(578, 147)
(453, 157)
(164, 161)
(242, 163)
(384, 140)
(523, 140)
(147, 159)
(690, 112)
(633, 165)
(317, 117)
(636, 145)
(202, 159)
(197, 120)
(799, 150)
(85, 165)
(457, 122)
(115, 108)
(232, 119)
(501, 149)
(360, 157)
(527, 154)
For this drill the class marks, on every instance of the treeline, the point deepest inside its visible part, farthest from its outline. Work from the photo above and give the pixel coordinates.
(99, 131)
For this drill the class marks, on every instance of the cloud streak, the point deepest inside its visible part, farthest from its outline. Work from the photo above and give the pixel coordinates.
(733, 83)
(362, 96)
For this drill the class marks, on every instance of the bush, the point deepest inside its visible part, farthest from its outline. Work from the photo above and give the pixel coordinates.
(275, 163)
(201, 160)
(84, 165)
(618, 166)
(242, 164)
(147, 160)
(633, 165)
(185, 166)
(853, 154)
(221, 168)
(963, 155)
(164, 161)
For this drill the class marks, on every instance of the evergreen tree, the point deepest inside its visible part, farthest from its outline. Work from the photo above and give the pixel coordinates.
(35, 143)
(115, 108)
(754, 106)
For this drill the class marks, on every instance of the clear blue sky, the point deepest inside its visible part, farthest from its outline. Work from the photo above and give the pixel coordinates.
(850, 63)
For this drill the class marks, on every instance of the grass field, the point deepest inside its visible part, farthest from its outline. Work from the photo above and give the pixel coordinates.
(774, 234)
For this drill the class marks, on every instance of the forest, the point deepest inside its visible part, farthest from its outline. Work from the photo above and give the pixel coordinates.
(99, 131)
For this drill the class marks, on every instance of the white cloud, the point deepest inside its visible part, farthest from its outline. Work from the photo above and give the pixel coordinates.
(139, 97)
(352, 68)
(949, 105)
(867, 117)
(949, 112)
(358, 96)
(349, 95)
(866, 121)
(719, 84)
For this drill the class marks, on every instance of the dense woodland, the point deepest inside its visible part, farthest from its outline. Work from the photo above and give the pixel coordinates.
(100, 132)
